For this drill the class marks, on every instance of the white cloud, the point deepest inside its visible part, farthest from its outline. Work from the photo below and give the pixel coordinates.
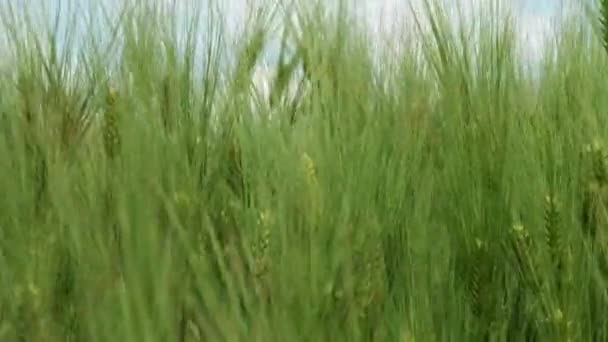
(533, 30)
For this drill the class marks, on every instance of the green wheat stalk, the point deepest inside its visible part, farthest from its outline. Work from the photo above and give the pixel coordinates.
(554, 238)
(598, 155)
(167, 103)
(604, 23)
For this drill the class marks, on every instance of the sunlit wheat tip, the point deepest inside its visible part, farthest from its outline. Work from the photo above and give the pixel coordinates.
(266, 217)
(181, 199)
(34, 290)
(479, 243)
(596, 145)
(310, 169)
(558, 315)
(518, 228)
(111, 96)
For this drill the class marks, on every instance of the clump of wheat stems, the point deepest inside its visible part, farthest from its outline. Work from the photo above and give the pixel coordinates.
(595, 186)
(408, 196)
(594, 210)
(32, 139)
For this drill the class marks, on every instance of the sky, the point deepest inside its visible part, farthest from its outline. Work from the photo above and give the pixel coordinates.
(533, 16)
(534, 20)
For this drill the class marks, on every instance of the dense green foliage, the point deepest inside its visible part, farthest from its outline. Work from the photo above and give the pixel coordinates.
(446, 192)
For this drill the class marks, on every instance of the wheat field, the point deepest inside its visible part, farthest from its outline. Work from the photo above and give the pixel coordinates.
(444, 192)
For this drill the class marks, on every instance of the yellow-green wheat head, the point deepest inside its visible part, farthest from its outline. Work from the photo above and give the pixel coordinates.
(311, 181)
(261, 244)
(309, 169)
(371, 291)
(553, 236)
(475, 285)
(111, 133)
(521, 243)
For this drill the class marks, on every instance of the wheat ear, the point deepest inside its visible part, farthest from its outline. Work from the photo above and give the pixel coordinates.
(111, 133)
